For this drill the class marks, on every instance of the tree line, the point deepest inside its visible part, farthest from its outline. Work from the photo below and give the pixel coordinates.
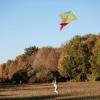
(77, 60)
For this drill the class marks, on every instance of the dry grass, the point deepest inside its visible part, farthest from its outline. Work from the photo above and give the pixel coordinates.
(67, 91)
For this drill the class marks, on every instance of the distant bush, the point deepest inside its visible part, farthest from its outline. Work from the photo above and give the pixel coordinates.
(44, 76)
(20, 76)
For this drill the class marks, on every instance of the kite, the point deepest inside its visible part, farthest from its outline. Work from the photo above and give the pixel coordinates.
(67, 17)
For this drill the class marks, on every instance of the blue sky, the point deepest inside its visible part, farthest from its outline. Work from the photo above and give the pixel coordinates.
(24, 23)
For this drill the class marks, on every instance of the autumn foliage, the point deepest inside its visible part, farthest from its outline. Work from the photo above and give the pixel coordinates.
(77, 60)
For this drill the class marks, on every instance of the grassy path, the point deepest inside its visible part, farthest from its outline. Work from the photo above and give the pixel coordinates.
(67, 91)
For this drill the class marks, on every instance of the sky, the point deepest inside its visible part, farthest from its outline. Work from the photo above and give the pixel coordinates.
(25, 23)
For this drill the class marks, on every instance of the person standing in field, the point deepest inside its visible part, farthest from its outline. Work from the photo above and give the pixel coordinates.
(55, 86)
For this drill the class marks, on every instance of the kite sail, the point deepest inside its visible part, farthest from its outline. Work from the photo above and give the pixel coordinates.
(67, 17)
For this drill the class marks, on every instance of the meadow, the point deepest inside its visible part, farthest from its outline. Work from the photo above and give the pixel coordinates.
(45, 91)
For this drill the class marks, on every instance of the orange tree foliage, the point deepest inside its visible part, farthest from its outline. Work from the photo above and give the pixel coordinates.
(46, 57)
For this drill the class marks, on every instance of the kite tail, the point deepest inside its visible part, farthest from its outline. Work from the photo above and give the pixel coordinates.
(63, 25)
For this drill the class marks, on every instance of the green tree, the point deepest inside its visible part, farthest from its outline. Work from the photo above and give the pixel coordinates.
(95, 61)
(31, 50)
(44, 75)
(74, 61)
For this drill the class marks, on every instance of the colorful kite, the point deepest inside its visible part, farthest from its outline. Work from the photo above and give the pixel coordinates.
(67, 17)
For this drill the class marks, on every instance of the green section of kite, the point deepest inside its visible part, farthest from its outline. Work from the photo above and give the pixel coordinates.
(70, 15)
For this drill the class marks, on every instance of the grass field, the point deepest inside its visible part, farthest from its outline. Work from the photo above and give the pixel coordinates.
(67, 91)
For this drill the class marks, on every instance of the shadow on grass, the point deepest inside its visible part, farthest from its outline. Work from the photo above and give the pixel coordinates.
(48, 97)
(82, 98)
(54, 97)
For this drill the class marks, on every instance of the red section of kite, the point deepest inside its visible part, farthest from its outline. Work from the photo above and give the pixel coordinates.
(62, 25)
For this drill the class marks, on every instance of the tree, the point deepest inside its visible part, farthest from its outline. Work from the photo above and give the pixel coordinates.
(31, 50)
(6, 70)
(95, 61)
(74, 61)
(44, 75)
(41, 58)
(19, 63)
(67, 61)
